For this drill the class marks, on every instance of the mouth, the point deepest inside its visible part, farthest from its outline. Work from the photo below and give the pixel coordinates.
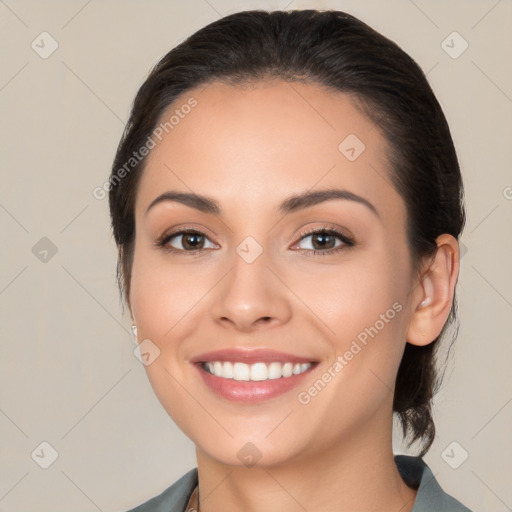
(252, 376)
(256, 372)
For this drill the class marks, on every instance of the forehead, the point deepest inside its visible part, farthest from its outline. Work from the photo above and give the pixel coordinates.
(258, 143)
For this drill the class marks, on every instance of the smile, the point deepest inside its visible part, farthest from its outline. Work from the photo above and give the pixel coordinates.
(252, 375)
(256, 372)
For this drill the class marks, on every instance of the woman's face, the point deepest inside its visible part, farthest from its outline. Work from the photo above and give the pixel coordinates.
(256, 287)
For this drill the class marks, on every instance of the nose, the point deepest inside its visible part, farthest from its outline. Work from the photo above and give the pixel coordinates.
(251, 297)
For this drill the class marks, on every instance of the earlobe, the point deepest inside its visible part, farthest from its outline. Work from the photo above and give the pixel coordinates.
(433, 300)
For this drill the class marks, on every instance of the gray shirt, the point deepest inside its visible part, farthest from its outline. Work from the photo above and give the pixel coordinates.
(414, 471)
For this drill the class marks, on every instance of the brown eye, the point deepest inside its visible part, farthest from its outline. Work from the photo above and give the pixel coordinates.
(185, 241)
(324, 241)
(192, 241)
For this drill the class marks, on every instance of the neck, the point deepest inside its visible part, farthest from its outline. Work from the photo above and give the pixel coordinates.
(354, 474)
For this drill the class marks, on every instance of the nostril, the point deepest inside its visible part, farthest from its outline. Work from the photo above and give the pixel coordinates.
(264, 320)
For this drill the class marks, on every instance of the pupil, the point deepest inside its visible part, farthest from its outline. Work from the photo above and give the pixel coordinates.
(192, 245)
(323, 238)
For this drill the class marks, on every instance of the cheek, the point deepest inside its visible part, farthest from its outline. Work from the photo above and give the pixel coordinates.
(364, 310)
(348, 298)
(161, 295)
(162, 304)
(361, 308)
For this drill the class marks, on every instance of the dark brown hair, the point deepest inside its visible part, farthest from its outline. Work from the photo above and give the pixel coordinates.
(338, 51)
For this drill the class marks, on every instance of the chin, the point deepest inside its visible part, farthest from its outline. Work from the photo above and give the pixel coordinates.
(242, 453)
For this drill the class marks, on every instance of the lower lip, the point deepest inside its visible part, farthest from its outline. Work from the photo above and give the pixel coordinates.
(251, 391)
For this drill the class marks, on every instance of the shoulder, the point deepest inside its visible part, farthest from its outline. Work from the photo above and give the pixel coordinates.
(430, 495)
(174, 498)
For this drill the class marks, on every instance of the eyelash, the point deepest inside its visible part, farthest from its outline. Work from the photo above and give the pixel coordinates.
(347, 241)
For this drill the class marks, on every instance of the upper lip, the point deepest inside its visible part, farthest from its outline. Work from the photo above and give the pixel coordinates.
(249, 356)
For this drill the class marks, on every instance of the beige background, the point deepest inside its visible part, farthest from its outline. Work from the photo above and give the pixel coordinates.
(68, 374)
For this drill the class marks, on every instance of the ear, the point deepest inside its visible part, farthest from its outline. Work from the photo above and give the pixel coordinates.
(433, 296)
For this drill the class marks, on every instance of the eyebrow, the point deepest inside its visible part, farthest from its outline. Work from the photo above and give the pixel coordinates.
(289, 205)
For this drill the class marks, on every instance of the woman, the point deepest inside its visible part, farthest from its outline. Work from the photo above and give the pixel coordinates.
(287, 203)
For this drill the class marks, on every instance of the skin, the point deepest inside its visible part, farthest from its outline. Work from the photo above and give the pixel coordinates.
(249, 148)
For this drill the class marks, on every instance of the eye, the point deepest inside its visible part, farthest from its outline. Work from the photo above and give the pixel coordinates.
(324, 241)
(190, 240)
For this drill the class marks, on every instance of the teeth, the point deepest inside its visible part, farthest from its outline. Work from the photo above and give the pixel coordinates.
(241, 371)
(227, 370)
(274, 371)
(259, 371)
(287, 369)
(256, 371)
(217, 367)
